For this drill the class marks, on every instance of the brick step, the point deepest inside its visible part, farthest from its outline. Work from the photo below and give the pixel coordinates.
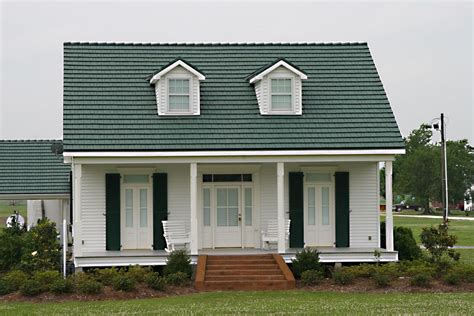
(232, 257)
(243, 277)
(248, 285)
(243, 272)
(240, 261)
(242, 267)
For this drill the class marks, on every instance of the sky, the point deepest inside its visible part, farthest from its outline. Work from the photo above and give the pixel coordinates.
(423, 50)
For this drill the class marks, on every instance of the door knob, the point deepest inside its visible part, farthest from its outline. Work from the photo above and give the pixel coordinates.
(240, 217)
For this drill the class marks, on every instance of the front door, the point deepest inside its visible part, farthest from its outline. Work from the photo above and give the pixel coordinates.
(228, 231)
(318, 215)
(136, 217)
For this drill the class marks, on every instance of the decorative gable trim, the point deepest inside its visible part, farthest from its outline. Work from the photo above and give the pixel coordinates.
(280, 63)
(177, 63)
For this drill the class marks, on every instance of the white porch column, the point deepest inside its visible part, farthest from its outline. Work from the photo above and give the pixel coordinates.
(280, 207)
(77, 225)
(388, 205)
(194, 221)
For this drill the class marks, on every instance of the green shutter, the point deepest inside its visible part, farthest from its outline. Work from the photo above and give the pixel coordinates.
(296, 209)
(342, 209)
(160, 208)
(112, 211)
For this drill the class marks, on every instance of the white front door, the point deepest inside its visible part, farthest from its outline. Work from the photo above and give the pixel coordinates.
(136, 219)
(228, 225)
(318, 215)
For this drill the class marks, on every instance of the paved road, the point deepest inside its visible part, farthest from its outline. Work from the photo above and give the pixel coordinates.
(458, 218)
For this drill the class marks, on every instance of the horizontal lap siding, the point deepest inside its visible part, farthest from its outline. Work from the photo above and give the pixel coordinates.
(93, 201)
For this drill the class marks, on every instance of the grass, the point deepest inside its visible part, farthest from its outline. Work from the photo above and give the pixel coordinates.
(6, 209)
(277, 302)
(457, 213)
(463, 229)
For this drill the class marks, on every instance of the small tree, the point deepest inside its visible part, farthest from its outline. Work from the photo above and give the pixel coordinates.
(11, 243)
(438, 242)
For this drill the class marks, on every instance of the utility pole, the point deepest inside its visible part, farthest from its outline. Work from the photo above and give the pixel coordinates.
(444, 171)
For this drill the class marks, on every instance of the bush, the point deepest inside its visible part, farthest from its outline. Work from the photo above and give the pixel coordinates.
(413, 268)
(403, 242)
(311, 277)
(155, 281)
(138, 273)
(124, 283)
(178, 261)
(41, 249)
(343, 276)
(5, 287)
(381, 279)
(31, 287)
(178, 278)
(106, 276)
(11, 247)
(438, 243)
(364, 270)
(62, 286)
(46, 278)
(87, 285)
(421, 279)
(465, 272)
(14, 279)
(308, 259)
(452, 278)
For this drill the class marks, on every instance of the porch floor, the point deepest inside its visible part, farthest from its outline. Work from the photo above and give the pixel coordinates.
(158, 257)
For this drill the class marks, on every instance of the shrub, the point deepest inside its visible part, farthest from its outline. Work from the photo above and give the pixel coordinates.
(464, 271)
(308, 259)
(5, 287)
(106, 276)
(11, 246)
(138, 273)
(452, 278)
(421, 279)
(364, 270)
(14, 279)
(381, 279)
(155, 281)
(403, 242)
(41, 248)
(46, 278)
(61, 286)
(179, 278)
(123, 282)
(343, 276)
(178, 261)
(438, 242)
(311, 277)
(31, 287)
(412, 268)
(87, 285)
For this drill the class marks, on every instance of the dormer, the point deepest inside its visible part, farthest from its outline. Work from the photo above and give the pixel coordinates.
(177, 89)
(278, 89)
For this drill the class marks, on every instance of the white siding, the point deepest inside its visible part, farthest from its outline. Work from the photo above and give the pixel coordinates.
(262, 91)
(161, 91)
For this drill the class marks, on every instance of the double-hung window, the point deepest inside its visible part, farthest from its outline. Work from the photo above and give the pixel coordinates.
(281, 95)
(178, 95)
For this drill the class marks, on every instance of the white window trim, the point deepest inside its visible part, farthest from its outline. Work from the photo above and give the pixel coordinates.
(271, 111)
(261, 75)
(189, 94)
(181, 63)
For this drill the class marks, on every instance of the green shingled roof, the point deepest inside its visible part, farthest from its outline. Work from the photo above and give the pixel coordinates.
(110, 105)
(29, 167)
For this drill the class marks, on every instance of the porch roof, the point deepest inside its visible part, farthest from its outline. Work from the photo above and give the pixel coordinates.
(109, 104)
(29, 169)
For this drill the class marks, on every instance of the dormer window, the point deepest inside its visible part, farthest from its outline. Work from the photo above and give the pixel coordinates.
(177, 89)
(281, 95)
(278, 89)
(178, 95)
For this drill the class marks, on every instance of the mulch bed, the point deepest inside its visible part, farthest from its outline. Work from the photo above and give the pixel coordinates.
(401, 285)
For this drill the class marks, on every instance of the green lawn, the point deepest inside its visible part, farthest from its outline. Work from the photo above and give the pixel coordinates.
(7, 209)
(463, 229)
(286, 302)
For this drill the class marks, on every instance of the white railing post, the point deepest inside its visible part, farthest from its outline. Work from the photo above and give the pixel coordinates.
(280, 207)
(388, 206)
(193, 198)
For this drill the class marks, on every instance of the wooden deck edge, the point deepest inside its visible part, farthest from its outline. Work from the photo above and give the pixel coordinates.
(200, 272)
(285, 270)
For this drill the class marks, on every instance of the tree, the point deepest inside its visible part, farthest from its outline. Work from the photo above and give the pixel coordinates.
(418, 172)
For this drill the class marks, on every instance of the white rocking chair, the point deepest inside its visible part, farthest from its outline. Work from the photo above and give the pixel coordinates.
(270, 233)
(175, 233)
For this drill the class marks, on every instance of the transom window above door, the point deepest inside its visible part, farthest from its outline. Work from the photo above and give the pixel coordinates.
(246, 177)
(178, 95)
